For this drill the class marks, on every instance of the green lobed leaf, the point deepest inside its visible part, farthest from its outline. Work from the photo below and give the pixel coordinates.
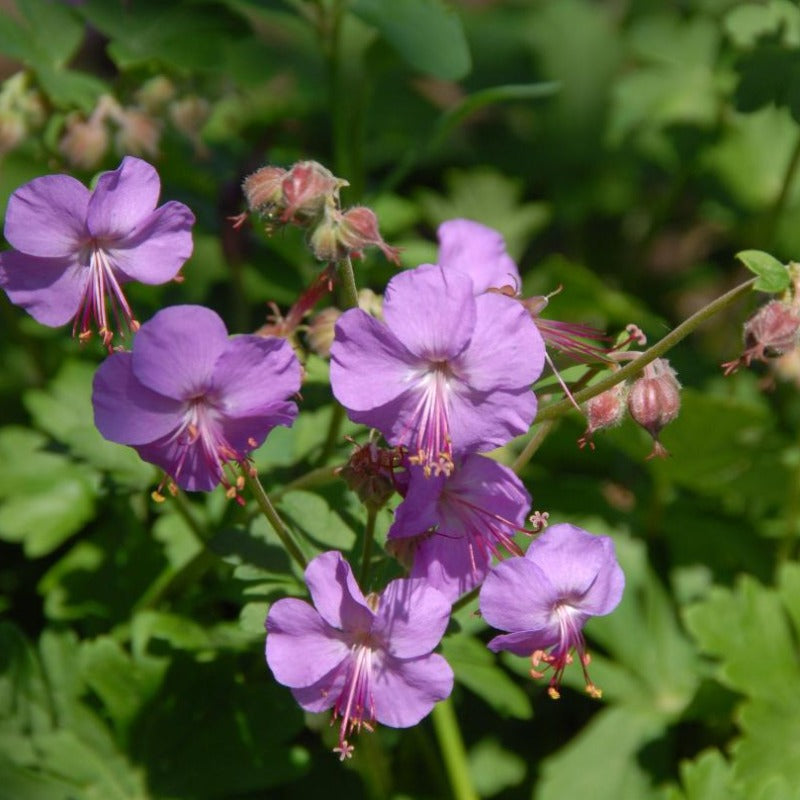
(708, 777)
(602, 761)
(773, 276)
(44, 497)
(427, 34)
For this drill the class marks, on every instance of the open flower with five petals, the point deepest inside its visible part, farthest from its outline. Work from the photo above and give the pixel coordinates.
(369, 658)
(447, 372)
(75, 248)
(190, 399)
(544, 599)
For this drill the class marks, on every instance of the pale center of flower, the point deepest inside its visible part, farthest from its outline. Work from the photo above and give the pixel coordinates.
(430, 439)
(355, 704)
(201, 427)
(101, 291)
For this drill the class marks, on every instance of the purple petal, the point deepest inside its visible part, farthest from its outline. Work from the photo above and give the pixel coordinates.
(484, 484)
(411, 618)
(523, 643)
(336, 595)
(255, 373)
(157, 247)
(127, 412)
(432, 312)
(190, 466)
(301, 646)
(451, 563)
(369, 366)
(122, 199)
(482, 421)
(49, 289)
(418, 511)
(324, 693)
(518, 596)
(404, 692)
(47, 217)
(506, 350)
(582, 567)
(477, 251)
(175, 353)
(245, 434)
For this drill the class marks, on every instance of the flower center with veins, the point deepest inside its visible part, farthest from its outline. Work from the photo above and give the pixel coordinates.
(102, 289)
(433, 445)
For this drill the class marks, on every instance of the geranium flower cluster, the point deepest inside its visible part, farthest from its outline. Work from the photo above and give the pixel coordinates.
(444, 373)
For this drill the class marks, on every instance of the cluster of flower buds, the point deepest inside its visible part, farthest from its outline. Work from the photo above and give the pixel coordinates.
(653, 400)
(137, 127)
(307, 195)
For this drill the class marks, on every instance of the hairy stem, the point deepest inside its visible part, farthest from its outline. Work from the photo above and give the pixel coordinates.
(274, 519)
(556, 410)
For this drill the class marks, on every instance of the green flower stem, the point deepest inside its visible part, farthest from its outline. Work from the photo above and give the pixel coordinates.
(366, 551)
(344, 268)
(533, 445)
(556, 410)
(274, 520)
(454, 753)
(349, 299)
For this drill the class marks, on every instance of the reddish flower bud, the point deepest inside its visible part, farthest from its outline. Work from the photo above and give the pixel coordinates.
(263, 190)
(340, 234)
(370, 473)
(359, 229)
(772, 331)
(604, 411)
(655, 400)
(308, 188)
(320, 331)
(84, 143)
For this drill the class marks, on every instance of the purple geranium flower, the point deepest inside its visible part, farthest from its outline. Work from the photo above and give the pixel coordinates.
(368, 658)
(75, 248)
(458, 522)
(545, 598)
(190, 399)
(448, 372)
(477, 251)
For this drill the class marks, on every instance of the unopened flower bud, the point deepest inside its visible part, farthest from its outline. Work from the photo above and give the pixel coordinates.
(359, 229)
(308, 188)
(139, 133)
(320, 331)
(654, 400)
(341, 234)
(772, 331)
(188, 115)
(155, 93)
(604, 411)
(12, 130)
(263, 190)
(84, 143)
(369, 473)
